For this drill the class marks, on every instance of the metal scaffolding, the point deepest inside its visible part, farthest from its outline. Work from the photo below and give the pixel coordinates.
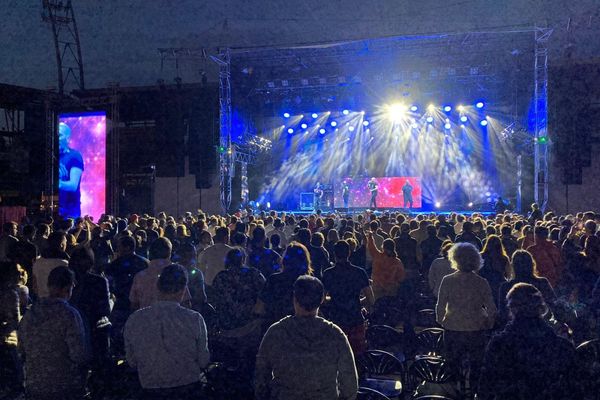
(541, 147)
(226, 157)
(59, 14)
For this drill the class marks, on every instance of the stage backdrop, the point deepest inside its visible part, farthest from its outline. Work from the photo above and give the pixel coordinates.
(86, 149)
(389, 193)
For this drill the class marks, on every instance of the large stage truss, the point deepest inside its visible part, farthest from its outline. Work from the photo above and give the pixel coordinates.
(279, 55)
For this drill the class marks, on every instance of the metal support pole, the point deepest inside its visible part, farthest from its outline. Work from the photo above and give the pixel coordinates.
(541, 148)
(226, 156)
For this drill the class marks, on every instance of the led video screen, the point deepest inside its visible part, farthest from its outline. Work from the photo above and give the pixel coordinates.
(82, 164)
(391, 192)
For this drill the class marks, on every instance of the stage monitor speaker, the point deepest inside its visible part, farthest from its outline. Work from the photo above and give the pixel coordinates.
(307, 201)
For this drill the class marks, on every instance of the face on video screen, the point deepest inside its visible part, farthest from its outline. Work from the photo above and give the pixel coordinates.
(392, 192)
(82, 164)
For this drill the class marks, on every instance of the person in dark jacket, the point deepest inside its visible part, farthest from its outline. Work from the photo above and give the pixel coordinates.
(263, 259)
(120, 275)
(91, 297)
(468, 236)
(318, 255)
(430, 248)
(528, 360)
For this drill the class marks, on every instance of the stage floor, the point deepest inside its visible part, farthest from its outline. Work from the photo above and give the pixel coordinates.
(382, 211)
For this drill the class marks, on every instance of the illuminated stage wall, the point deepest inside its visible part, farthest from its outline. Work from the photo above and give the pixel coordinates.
(82, 164)
(389, 192)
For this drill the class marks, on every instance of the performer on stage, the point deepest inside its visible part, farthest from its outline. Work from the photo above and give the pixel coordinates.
(318, 195)
(407, 190)
(346, 193)
(373, 187)
(69, 176)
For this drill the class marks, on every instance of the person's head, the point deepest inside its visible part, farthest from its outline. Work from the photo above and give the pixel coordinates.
(296, 259)
(506, 230)
(206, 238)
(535, 207)
(275, 240)
(526, 301)
(590, 227)
(10, 275)
(374, 225)
(10, 228)
(29, 231)
(160, 249)
(446, 246)
(431, 231)
(341, 250)
(541, 233)
(238, 239)
(333, 236)
(57, 241)
(64, 135)
(222, 235)
(126, 245)
(493, 247)
(405, 227)
(61, 281)
(317, 239)
(591, 248)
(308, 295)
(523, 265)
(81, 261)
(465, 257)
(235, 259)
(258, 236)
(389, 248)
(187, 253)
(304, 236)
(468, 226)
(172, 283)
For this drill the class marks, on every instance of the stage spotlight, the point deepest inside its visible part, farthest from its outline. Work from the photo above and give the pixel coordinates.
(414, 108)
(447, 125)
(286, 115)
(345, 112)
(464, 118)
(322, 131)
(315, 115)
(438, 204)
(396, 111)
(447, 108)
(290, 130)
(333, 123)
(362, 112)
(479, 105)
(470, 204)
(365, 123)
(268, 204)
(431, 107)
(483, 123)
(460, 108)
(430, 120)
(414, 125)
(304, 126)
(351, 129)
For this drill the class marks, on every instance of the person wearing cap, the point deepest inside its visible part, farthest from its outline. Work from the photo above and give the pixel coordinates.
(527, 360)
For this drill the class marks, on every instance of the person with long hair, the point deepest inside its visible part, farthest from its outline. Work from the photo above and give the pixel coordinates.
(276, 297)
(524, 269)
(388, 271)
(496, 265)
(236, 291)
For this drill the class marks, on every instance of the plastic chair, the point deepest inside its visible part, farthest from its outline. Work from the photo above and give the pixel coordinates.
(432, 376)
(426, 318)
(383, 337)
(365, 393)
(588, 355)
(430, 341)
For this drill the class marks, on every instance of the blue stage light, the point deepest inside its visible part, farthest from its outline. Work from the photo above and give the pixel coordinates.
(447, 108)
(290, 130)
(365, 123)
(351, 129)
(479, 104)
(304, 126)
(464, 118)
(345, 112)
(286, 115)
(322, 131)
(315, 115)
(333, 123)
(447, 125)
(483, 123)
(430, 120)
(414, 108)
(438, 204)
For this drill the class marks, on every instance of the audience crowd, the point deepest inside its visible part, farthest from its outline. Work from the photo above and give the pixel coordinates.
(279, 306)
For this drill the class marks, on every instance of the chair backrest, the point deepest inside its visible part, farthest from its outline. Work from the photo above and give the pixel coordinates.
(433, 397)
(377, 362)
(387, 311)
(381, 336)
(365, 393)
(589, 351)
(430, 341)
(426, 318)
(432, 369)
